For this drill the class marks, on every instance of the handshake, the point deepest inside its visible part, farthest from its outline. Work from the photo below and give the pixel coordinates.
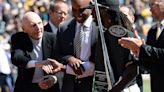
(50, 66)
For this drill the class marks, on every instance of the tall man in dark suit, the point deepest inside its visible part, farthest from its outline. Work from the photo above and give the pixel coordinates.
(151, 54)
(58, 12)
(79, 72)
(30, 50)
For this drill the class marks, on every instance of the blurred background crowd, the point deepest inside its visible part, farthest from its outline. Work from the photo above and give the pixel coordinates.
(11, 11)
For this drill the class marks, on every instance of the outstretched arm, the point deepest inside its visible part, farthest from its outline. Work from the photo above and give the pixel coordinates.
(128, 75)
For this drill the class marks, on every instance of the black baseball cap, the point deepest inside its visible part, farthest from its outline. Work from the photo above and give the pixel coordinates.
(109, 4)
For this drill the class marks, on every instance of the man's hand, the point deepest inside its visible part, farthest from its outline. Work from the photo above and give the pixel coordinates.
(47, 81)
(48, 69)
(132, 44)
(56, 65)
(76, 65)
(50, 66)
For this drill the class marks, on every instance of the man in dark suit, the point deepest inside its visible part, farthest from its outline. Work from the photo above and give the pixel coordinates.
(79, 73)
(58, 12)
(151, 55)
(30, 50)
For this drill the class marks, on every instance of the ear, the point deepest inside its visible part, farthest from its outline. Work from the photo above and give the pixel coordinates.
(23, 29)
(133, 19)
(50, 12)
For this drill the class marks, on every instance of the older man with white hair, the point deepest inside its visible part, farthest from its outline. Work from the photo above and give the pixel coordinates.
(31, 50)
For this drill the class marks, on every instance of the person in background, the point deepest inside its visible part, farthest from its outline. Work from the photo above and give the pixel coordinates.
(151, 54)
(129, 12)
(30, 51)
(5, 70)
(58, 12)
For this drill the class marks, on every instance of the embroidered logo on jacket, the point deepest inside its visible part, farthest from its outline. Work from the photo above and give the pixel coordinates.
(117, 31)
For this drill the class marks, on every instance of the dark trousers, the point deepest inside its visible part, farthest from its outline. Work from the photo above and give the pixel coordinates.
(72, 84)
(34, 87)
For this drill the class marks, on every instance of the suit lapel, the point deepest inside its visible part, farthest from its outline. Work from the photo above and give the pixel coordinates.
(48, 28)
(46, 47)
(72, 27)
(72, 31)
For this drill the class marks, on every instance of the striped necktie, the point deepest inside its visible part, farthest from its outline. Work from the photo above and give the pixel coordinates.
(77, 42)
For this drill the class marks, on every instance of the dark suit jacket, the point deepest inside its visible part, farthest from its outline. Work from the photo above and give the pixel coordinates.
(65, 48)
(47, 28)
(20, 56)
(152, 56)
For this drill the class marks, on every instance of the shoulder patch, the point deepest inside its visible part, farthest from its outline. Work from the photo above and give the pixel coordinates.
(117, 31)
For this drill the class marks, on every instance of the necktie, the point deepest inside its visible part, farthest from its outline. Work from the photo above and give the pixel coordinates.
(77, 42)
(158, 30)
(38, 73)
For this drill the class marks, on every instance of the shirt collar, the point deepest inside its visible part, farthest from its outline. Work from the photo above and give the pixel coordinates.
(88, 22)
(53, 27)
(162, 23)
(37, 42)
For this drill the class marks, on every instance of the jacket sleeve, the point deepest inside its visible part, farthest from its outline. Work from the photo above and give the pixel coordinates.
(19, 56)
(151, 54)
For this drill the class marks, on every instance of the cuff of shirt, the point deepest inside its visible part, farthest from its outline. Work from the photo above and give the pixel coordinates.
(31, 63)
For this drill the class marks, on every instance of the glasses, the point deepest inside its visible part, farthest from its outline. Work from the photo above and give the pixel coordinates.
(60, 13)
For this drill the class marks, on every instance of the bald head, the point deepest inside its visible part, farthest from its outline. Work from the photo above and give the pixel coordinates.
(29, 16)
(32, 25)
